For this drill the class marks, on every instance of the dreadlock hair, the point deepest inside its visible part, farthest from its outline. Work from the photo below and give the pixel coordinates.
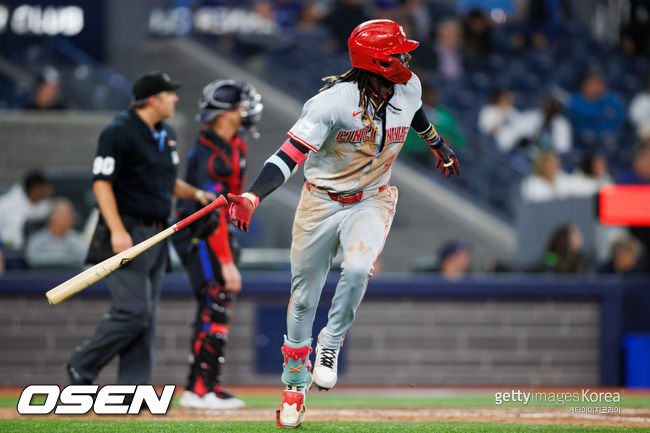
(362, 78)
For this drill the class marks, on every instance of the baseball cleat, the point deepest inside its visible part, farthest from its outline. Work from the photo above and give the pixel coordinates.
(213, 401)
(296, 369)
(292, 408)
(191, 400)
(217, 400)
(325, 367)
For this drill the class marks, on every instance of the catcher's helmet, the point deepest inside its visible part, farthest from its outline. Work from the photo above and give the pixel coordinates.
(371, 45)
(225, 95)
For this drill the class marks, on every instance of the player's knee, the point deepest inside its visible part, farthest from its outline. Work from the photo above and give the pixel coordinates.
(302, 304)
(357, 273)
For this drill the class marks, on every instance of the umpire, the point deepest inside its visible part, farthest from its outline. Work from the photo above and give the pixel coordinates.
(134, 178)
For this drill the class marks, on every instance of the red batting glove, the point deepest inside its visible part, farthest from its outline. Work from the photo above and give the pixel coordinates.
(446, 158)
(241, 209)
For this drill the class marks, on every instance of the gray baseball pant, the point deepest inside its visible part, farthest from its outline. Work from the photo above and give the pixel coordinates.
(320, 226)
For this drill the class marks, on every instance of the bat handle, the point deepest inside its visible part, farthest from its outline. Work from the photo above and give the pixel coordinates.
(220, 201)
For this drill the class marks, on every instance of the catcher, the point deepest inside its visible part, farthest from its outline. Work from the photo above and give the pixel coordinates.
(218, 164)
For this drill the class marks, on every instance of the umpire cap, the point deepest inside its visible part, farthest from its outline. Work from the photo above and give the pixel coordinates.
(152, 83)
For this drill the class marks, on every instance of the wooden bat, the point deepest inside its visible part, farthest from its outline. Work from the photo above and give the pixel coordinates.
(79, 282)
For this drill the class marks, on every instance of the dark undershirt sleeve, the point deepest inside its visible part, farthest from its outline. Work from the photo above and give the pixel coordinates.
(420, 122)
(267, 181)
(271, 177)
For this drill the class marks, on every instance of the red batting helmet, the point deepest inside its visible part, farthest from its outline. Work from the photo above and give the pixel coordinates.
(371, 45)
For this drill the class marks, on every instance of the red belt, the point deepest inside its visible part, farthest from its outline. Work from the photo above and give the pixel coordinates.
(346, 199)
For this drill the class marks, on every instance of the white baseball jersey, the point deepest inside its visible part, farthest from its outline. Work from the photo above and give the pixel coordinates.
(347, 154)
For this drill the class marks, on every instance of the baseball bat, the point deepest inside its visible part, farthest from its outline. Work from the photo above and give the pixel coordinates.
(79, 282)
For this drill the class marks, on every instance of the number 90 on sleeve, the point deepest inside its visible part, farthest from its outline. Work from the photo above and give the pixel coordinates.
(104, 165)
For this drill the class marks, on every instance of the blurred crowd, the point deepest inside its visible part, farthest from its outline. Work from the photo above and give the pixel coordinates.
(38, 228)
(555, 94)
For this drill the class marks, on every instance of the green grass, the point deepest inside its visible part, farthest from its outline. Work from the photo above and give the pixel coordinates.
(74, 426)
(322, 400)
(329, 400)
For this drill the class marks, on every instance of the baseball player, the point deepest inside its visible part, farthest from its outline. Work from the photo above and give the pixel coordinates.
(347, 137)
(217, 163)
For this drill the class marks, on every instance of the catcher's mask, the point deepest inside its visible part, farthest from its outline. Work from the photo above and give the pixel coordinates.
(372, 47)
(225, 95)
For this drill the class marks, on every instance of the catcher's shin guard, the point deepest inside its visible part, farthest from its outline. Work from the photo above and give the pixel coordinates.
(209, 345)
(325, 366)
(208, 358)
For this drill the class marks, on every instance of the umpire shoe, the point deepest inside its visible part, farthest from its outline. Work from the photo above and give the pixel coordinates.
(75, 377)
(325, 368)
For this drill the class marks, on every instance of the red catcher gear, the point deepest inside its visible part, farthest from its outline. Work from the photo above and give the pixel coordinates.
(371, 45)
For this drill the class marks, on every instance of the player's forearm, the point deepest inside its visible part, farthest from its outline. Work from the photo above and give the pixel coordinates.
(425, 129)
(268, 180)
(279, 168)
(103, 190)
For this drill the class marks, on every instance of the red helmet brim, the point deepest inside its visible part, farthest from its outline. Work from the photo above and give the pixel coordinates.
(406, 46)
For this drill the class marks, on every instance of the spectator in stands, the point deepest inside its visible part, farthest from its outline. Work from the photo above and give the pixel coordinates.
(547, 180)
(625, 255)
(563, 253)
(57, 245)
(635, 37)
(390, 10)
(311, 36)
(640, 109)
(445, 121)
(47, 95)
(477, 37)
(499, 113)
(587, 180)
(31, 200)
(639, 173)
(455, 260)
(284, 12)
(344, 17)
(448, 54)
(545, 128)
(591, 175)
(487, 6)
(416, 13)
(540, 24)
(2, 260)
(596, 113)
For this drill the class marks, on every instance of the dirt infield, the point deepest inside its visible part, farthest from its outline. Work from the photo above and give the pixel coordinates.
(627, 417)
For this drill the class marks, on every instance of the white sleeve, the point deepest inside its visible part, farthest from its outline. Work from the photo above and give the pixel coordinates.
(561, 134)
(415, 86)
(315, 122)
(639, 109)
(488, 119)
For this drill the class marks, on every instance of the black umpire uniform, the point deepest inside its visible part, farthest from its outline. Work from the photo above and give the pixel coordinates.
(141, 164)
